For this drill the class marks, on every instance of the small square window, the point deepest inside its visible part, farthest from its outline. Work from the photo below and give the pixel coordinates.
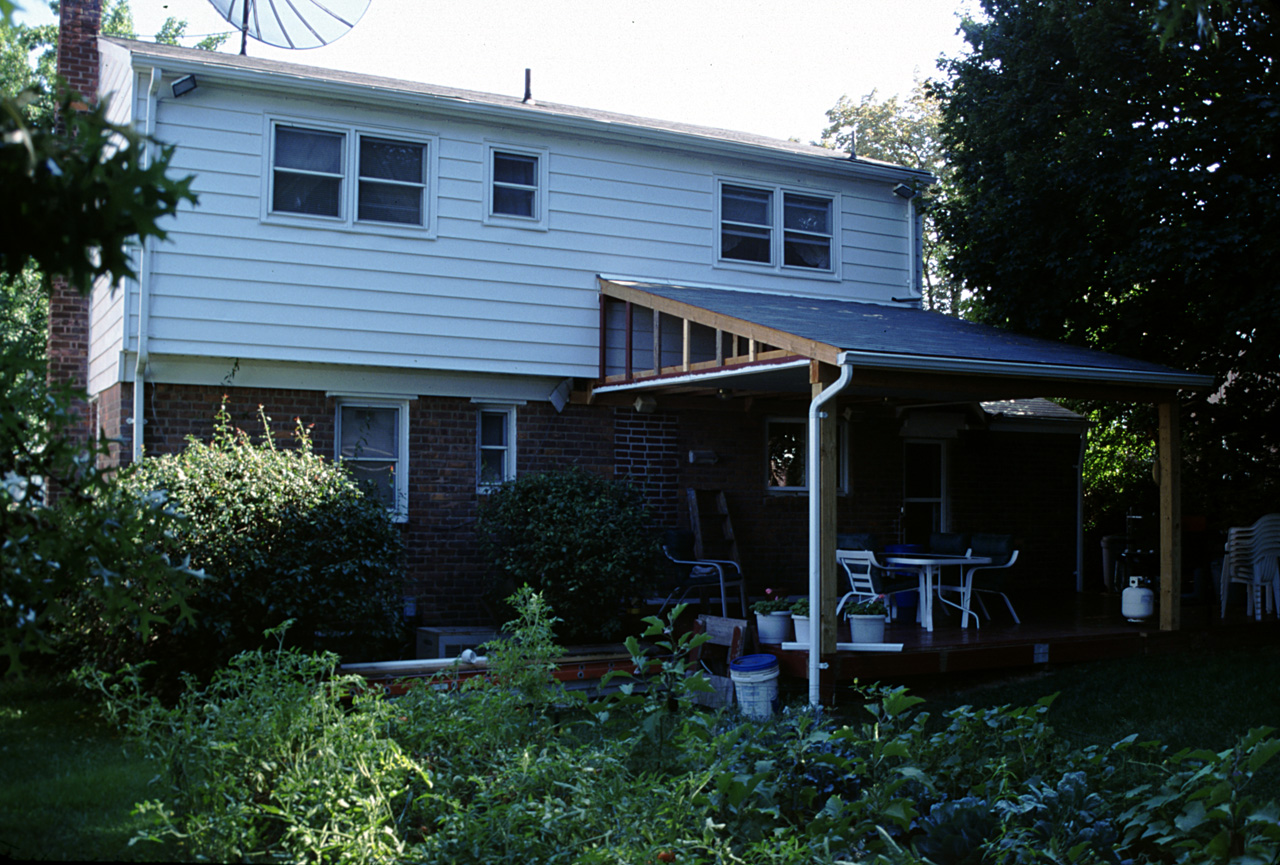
(307, 172)
(786, 453)
(515, 184)
(392, 181)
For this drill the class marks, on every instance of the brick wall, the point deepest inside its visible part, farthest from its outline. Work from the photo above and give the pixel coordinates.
(68, 339)
(646, 453)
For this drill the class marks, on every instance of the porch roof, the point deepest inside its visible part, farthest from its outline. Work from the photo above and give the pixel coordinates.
(897, 349)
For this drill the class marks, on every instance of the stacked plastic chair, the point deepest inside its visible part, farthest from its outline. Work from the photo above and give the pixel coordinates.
(1252, 558)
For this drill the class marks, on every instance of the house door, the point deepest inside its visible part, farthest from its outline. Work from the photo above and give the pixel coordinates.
(924, 493)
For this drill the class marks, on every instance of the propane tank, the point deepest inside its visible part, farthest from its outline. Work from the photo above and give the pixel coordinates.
(1137, 602)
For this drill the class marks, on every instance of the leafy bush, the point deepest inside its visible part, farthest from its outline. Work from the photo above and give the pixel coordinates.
(281, 534)
(267, 763)
(523, 770)
(583, 542)
(70, 540)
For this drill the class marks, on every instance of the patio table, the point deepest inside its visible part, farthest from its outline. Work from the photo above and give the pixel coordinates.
(929, 566)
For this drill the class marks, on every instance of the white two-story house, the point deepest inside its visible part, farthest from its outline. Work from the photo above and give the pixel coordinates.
(457, 287)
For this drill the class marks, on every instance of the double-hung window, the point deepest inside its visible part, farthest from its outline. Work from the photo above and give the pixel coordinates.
(307, 172)
(495, 445)
(350, 178)
(392, 181)
(515, 186)
(371, 441)
(750, 217)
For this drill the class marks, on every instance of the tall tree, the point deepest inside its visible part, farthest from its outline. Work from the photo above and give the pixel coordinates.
(904, 131)
(1117, 190)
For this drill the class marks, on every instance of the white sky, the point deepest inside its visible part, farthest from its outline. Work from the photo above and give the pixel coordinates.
(772, 67)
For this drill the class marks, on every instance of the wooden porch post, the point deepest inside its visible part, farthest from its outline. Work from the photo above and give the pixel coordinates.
(1168, 448)
(820, 378)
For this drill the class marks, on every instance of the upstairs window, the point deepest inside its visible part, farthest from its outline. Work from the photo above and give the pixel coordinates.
(392, 181)
(806, 234)
(351, 178)
(515, 184)
(515, 187)
(749, 217)
(307, 172)
(746, 224)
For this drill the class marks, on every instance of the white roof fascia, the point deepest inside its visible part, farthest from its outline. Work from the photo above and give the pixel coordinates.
(917, 363)
(363, 94)
(701, 377)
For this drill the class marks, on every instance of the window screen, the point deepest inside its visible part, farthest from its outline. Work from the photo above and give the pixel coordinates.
(392, 184)
(307, 172)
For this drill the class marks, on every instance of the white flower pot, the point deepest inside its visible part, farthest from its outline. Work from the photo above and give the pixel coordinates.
(773, 627)
(801, 624)
(866, 629)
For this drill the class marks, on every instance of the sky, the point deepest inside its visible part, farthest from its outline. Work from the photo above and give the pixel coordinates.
(771, 67)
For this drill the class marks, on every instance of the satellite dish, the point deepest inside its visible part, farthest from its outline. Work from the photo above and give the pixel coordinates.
(291, 23)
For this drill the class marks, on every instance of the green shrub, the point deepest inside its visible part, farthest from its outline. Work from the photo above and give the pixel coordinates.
(582, 541)
(268, 764)
(70, 540)
(281, 534)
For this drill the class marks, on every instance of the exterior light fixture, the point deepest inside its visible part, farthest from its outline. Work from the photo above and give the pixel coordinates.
(645, 404)
(904, 191)
(184, 85)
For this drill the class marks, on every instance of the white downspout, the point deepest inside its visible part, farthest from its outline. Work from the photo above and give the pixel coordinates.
(815, 527)
(144, 289)
(1084, 444)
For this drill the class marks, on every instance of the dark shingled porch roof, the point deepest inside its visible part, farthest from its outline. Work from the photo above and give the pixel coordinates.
(879, 336)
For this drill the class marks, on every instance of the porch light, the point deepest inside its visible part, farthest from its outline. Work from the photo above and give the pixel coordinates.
(645, 404)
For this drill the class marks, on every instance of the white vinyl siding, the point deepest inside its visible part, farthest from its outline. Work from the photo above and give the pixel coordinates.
(236, 282)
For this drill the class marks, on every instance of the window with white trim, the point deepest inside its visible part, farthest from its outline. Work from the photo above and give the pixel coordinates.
(515, 186)
(371, 441)
(393, 185)
(347, 177)
(749, 219)
(307, 172)
(786, 449)
(495, 445)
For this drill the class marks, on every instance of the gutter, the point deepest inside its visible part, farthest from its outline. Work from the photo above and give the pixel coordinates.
(1052, 371)
(144, 289)
(364, 94)
(814, 470)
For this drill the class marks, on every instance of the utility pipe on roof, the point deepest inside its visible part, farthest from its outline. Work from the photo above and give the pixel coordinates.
(814, 471)
(144, 286)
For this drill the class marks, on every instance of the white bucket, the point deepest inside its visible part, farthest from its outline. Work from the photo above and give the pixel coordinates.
(755, 683)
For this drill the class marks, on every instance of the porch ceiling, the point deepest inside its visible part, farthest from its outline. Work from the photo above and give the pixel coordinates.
(765, 343)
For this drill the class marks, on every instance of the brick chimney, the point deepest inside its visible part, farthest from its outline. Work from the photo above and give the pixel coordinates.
(68, 340)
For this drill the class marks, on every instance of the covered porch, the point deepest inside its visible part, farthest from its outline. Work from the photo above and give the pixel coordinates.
(684, 347)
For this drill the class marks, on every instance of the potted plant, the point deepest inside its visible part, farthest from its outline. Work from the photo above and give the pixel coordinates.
(866, 620)
(800, 619)
(773, 617)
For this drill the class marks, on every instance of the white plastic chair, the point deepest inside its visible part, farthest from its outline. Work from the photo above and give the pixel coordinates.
(999, 548)
(1251, 559)
(866, 580)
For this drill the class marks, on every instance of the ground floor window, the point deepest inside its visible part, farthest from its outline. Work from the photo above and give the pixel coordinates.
(371, 440)
(786, 446)
(495, 445)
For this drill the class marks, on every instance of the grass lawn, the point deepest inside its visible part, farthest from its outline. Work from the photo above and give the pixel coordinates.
(67, 784)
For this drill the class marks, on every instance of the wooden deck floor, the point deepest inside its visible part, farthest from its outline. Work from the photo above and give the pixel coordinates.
(1061, 630)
